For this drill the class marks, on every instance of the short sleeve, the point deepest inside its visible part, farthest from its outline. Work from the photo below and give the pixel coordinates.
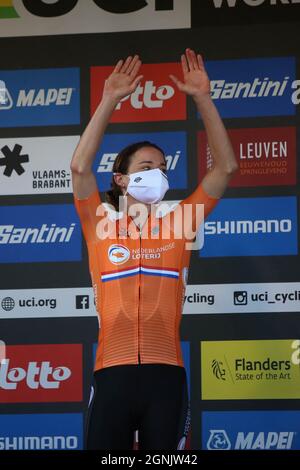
(190, 213)
(87, 210)
(199, 196)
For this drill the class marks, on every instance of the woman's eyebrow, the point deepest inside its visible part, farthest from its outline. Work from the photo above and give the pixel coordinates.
(150, 161)
(145, 161)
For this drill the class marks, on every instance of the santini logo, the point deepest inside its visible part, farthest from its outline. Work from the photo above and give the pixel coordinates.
(258, 88)
(107, 161)
(10, 234)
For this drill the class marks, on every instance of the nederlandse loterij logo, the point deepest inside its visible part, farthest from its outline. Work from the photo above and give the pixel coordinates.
(118, 254)
(7, 9)
(13, 160)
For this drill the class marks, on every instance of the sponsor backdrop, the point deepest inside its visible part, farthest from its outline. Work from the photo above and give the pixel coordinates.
(241, 321)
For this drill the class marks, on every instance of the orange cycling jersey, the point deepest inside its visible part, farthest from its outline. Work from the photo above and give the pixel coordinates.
(139, 280)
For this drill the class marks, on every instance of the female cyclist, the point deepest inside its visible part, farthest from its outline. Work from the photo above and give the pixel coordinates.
(138, 263)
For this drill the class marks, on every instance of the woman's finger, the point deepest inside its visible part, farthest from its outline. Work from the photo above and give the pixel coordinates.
(136, 82)
(135, 69)
(177, 82)
(132, 64)
(126, 64)
(200, 62)
(189, 60)
(192, 59)
(184, 64)
(118, 66)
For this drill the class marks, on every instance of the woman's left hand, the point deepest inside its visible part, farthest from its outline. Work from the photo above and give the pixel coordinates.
(195, 79)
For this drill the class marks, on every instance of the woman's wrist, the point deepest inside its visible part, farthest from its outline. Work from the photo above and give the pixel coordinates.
(202, 99)
(109, 99)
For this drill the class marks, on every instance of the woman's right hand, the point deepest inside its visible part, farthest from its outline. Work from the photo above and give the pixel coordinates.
(123, 80)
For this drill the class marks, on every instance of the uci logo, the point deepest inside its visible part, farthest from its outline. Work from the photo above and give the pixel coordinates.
(46, 9)
(118, 254)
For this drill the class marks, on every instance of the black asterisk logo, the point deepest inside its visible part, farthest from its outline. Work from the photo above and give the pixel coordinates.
(13, 160)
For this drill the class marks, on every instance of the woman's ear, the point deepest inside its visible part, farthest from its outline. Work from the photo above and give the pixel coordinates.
(119, 179)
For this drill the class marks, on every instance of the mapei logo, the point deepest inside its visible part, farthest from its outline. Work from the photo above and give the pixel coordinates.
(118, 254)
(173, 144)
(5, 98)
(218, 440)
(50, 97)
(251, 430)
(41, 373)
(155, 99)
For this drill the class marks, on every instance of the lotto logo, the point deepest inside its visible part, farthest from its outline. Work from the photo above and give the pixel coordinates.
(41, 373)
(155, 99)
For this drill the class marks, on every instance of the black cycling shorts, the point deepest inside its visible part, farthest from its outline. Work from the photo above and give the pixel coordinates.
(150, 398)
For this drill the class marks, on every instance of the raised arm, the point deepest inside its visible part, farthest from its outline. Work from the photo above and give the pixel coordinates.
(122, 82)
(196, 84)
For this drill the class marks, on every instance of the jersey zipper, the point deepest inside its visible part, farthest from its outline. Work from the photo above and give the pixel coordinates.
(139, 358)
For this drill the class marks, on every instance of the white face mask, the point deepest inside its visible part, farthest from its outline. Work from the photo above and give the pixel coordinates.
(148, 186)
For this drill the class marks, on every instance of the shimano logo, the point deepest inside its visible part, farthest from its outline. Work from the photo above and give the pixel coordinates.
(258, 88)
(41, 376)
(149, 96)
(252, 3)
(39, 443)
(46, 234)
(232, 227)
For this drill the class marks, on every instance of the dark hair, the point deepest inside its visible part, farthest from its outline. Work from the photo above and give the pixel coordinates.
(121, 165)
